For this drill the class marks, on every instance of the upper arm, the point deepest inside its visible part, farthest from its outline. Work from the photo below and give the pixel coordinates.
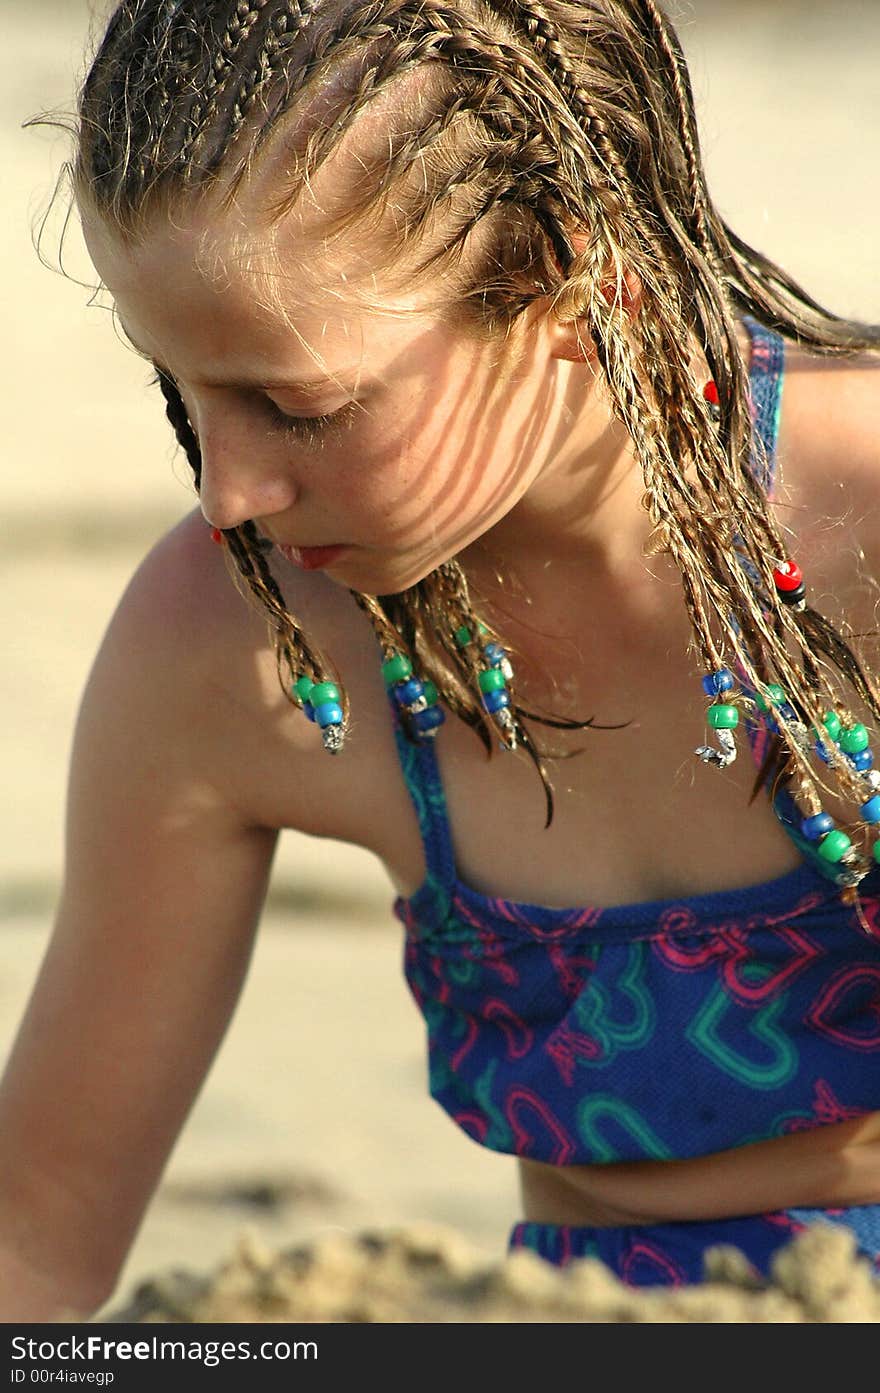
(165, 878)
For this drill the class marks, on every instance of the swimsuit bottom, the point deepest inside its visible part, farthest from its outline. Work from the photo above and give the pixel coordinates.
(671, 1255)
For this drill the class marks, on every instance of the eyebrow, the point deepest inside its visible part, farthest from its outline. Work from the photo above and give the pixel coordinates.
(308, 388)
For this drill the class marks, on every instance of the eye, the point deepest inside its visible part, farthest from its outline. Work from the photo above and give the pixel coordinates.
(309, 427)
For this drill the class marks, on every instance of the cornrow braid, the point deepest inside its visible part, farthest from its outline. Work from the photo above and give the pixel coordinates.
(242, 20)
(670, 48)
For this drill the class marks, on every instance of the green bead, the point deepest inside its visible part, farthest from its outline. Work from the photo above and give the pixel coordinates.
(302, 688)
(324, 691)
(831, 722)
(463, 636)
(431, 693)
(853, 739)
(834, 846)
(723, 717)
(482, 627)
(877, 850)
(772, 695)
(396, 669)
(492, 680)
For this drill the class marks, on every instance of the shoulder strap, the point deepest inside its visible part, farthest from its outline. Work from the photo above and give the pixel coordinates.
(766, 369)
(422, 776)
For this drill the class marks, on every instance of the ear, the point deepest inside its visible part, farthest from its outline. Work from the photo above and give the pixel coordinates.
(571, 340)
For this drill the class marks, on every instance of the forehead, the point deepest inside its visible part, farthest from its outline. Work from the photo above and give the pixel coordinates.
(201, 296)
(230, 241)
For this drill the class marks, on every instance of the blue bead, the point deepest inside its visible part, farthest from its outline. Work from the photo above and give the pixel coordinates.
(405, 693)
(871, 809)
(329, 713)
(814, 828)
(429, 719)
(714, 683)
(788, 712)
(494, 654)
(863, 761)
(309, 709)
(495, 701)
(825, 750)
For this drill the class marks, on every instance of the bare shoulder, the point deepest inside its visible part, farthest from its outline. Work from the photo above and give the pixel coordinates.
(829, 461)
(204, 651)
(830, 434)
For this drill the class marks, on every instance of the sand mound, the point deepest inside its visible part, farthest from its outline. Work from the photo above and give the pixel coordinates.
(429, 1273)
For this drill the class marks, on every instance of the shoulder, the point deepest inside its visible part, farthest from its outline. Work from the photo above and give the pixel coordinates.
(193, 662)
(830, 415)
(829, 459)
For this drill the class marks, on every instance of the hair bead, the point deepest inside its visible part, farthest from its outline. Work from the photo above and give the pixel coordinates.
(415, 700)
(769, 696)
(862, 760)
(834, 846)
(323, 692)
(428, 721)
(714, 683)
(496, 701)
(723, 717)
(405, 693)
(789, 582)
(854, 739)
(301, 689)
(396, 669)
(815, 827)
(328, 713)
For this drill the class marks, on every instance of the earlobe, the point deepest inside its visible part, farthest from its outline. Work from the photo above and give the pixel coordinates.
(572, 341)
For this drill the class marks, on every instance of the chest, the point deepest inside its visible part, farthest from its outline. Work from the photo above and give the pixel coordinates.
(635, 815)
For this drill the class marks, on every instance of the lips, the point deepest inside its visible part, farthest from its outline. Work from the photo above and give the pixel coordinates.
(311, 558)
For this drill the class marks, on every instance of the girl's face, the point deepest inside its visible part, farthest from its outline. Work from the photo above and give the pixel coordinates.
(399, 438)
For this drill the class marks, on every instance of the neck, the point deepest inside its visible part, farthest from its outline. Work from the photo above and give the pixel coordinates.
(575, 541)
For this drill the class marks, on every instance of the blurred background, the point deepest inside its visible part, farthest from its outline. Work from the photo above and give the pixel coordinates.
(315, 1114)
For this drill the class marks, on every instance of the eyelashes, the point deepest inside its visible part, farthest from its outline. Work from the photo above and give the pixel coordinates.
(306, 428)
(313, 427)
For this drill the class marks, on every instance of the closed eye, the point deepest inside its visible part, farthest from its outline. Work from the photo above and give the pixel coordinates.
(309, 427)
(303, 427)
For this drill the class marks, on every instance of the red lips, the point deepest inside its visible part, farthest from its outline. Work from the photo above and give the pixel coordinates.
(311, 558)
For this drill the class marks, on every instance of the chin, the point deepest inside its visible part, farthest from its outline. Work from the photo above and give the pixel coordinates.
(377, 579)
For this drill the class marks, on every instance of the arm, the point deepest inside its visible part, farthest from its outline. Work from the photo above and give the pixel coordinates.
(164, 884)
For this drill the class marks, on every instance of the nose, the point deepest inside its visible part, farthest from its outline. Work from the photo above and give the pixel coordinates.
(244, 474)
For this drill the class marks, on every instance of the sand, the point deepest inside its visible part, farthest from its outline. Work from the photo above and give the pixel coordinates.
(429, 1274)
(314, 1123)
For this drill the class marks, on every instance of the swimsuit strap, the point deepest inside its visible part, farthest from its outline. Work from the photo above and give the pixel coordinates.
(766, 368)
(422, 776)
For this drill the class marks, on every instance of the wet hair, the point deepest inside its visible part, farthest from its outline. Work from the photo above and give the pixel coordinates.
(554, 145)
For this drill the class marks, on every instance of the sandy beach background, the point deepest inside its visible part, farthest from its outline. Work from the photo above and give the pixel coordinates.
(315, 1116)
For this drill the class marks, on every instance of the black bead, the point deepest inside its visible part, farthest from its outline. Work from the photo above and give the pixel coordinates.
(792, 597)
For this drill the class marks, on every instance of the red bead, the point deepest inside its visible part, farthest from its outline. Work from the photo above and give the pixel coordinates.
(788, 576)
(710, 392)
(216, 534)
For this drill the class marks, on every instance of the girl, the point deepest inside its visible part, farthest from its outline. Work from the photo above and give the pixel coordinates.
(482, 400)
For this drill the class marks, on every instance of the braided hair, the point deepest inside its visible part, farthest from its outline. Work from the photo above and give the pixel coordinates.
(565, 133)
